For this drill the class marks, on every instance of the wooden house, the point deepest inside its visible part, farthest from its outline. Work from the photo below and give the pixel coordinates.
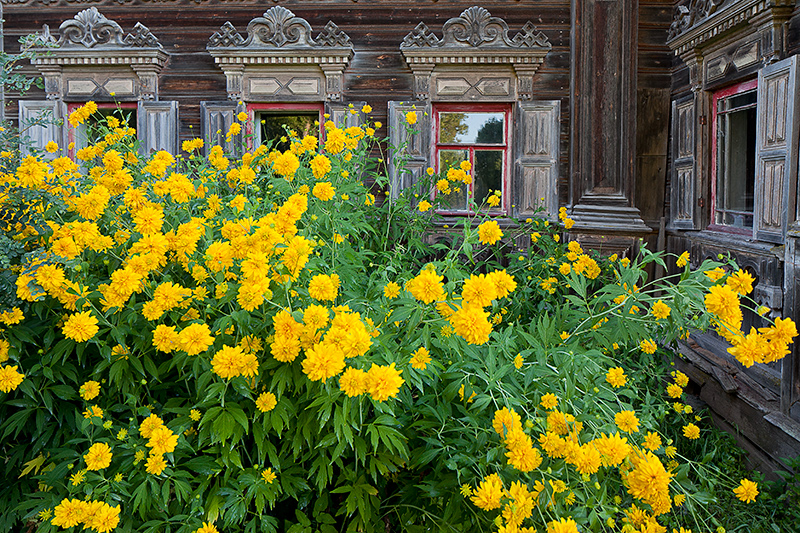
(632, 113)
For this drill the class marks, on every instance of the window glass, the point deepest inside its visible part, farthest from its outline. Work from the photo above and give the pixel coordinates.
(736, 159)
(471, 128)
(273, 126)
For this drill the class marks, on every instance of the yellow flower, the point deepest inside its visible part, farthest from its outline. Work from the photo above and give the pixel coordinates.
(518, 361)
(51, 147)
(162, 440)
(489, 232)
(627, 421)
(383, 382)
(411, 117)
(549, 401)
(660, 310)
(741, 282)
(715, 274)
(424, 205)
(10, 379)
(391, 290)
(420, 358)
(323, 287)
(487, 495)
(268, 475)
(616, 377)
(563, 525)
(746, 491)
(353, 382)
(80, 327)
(207, 528)
(98, 456)
(648, 346)
(691, 431)
(242, 116)
(89, 390)
(426, 287)
(324, 191)
(155, 464)
(674, 391)
(652, 441)
(266, 401)
(683, 259)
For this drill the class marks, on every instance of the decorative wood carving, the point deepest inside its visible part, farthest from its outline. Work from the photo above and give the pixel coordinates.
(697, 23)
(474, 38)
(92, 39)
(279, 38)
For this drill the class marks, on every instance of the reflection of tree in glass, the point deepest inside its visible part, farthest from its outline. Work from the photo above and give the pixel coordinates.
(488, 166)
(272, 128)
(491, 132)
(452, 125)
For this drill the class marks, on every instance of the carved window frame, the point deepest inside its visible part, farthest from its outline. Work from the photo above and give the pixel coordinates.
(478, 62)
(93, 59)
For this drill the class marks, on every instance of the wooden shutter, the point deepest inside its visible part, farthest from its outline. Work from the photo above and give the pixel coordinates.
(536, 142)
(415, 149)
(776, 150)
(40, 121)
(682, 194)
(216, 119)
(157, 127)
(340, 114)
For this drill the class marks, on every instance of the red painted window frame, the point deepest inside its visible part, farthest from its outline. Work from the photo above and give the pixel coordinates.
(254, 108)
(727, 92)
(506, 109)
(72, 106)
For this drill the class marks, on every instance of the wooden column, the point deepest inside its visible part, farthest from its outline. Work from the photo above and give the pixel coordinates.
(603, 129)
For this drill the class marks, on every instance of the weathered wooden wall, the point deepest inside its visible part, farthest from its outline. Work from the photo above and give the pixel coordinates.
(378, 73)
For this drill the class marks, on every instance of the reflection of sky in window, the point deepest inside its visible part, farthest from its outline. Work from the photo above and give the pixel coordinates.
(474, 122)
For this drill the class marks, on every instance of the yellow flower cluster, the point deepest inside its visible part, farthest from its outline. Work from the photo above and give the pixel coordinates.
(93, 514)
(80, 115)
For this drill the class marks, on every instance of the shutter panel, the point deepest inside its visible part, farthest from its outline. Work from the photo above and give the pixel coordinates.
(683, 165)
(537, 137)
(40, 121)
(776, 150)
(216, 119)
(341, 116)
(414, 149)
(157, 127)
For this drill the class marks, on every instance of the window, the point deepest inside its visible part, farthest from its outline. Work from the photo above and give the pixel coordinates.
(271, 121)
(478, 134)
(734, 166)
(89, 132)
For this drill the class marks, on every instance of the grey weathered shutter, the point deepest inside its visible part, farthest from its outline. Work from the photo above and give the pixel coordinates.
(40, 121)
(157, 126)
(409, 155)
(776, 149)
(340, 114)
(536, 142)
(682, 195)
(216, 119)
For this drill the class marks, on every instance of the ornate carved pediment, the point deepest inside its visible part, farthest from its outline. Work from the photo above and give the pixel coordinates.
(697, 23)
(475, 38)
(279, 29)
(90, 39)
(276, 40)
(91, 29)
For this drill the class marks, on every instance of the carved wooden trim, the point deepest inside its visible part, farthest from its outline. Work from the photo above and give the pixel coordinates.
(474, 38)
(279, 39)
(92, 39)
(698, 23)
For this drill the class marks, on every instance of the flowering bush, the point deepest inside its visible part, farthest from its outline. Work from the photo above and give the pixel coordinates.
(252, 344)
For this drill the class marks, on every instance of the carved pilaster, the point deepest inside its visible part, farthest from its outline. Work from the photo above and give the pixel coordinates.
(148, 81)
(694, 62)
(422, 81)
(525, 74)
(603, 115)
(52, 81)
(234, 78)
(334, 81)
